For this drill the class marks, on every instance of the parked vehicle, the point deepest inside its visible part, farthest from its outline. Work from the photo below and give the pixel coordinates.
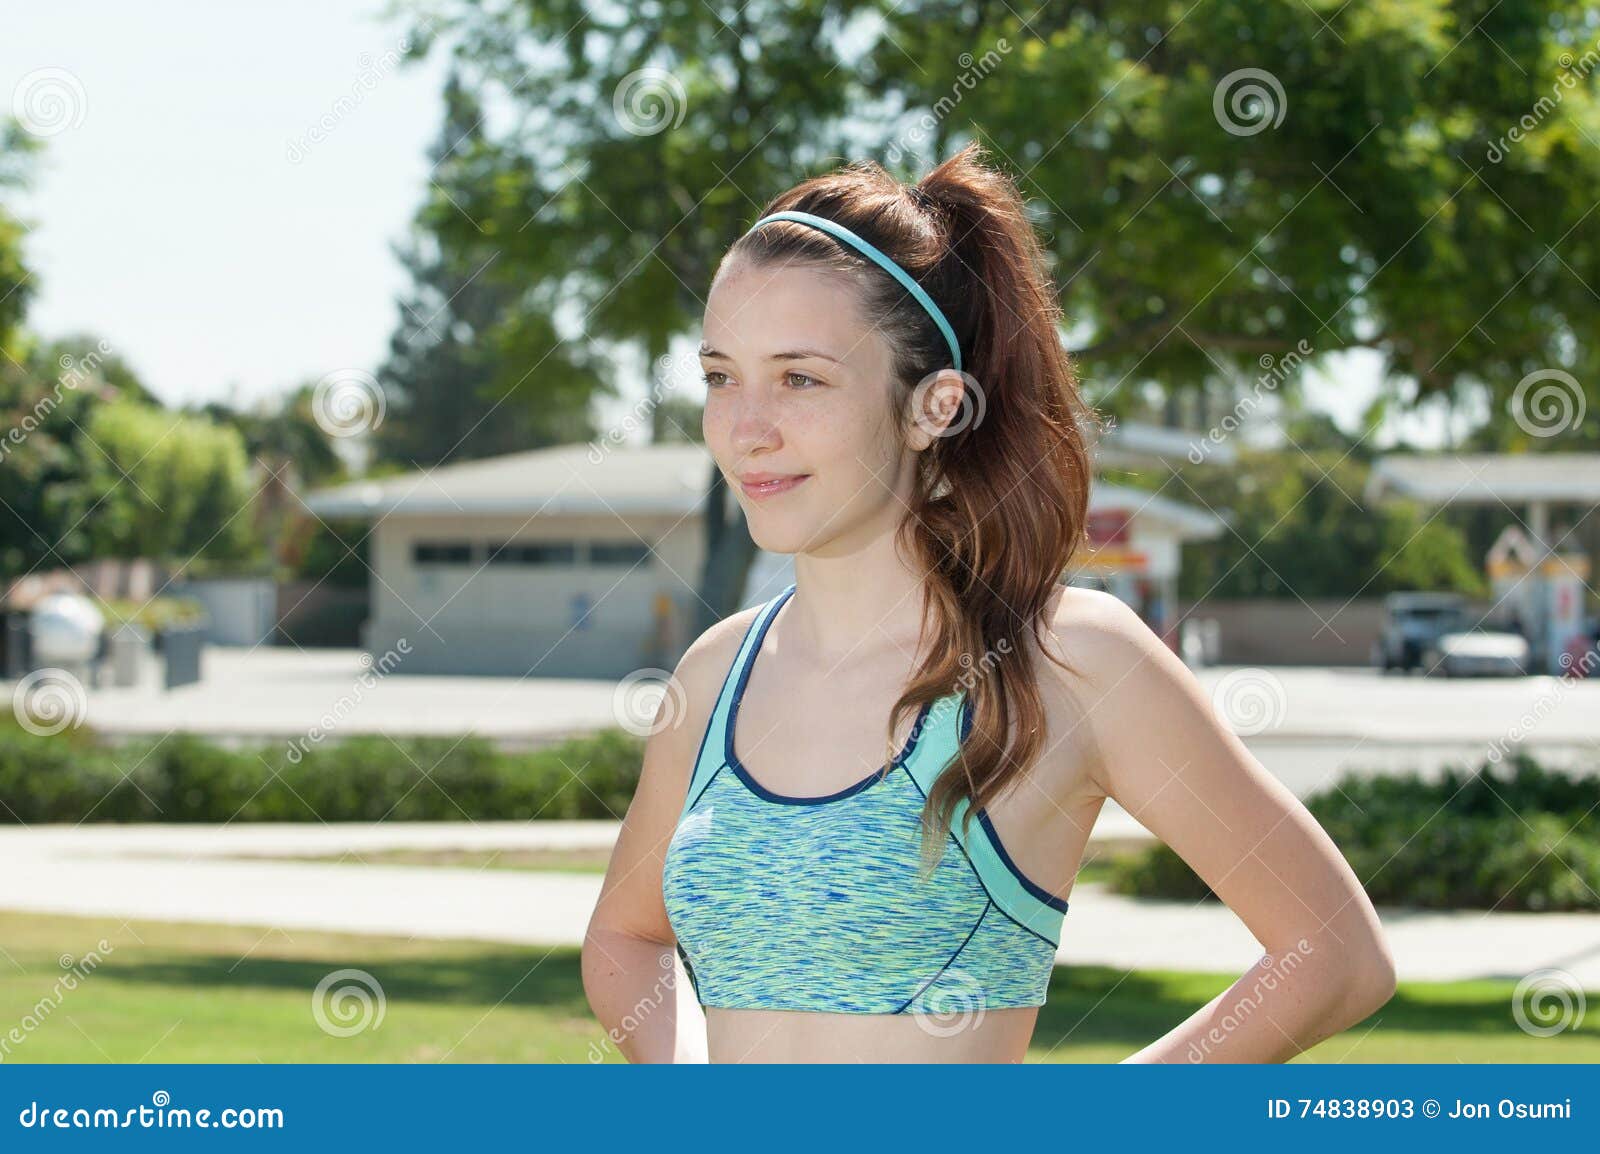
(1411, 623)
(1478, 652)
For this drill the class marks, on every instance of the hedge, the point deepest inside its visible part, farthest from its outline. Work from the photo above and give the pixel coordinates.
(1513, 836)
(73, 777)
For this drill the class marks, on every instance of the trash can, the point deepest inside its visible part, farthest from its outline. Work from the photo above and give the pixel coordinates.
(181, 646)
(127, 646)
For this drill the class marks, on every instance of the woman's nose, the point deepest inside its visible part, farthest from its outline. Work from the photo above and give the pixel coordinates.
(755, 423)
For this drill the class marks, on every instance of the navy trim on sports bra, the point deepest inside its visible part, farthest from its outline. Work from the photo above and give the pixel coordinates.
(1028, 883)
(731, 759)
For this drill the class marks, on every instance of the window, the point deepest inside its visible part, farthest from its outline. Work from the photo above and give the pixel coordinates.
(618, 552)
(533, 553)
(441, 553)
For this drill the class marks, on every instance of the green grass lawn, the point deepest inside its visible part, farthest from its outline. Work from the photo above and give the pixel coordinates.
(169, 992)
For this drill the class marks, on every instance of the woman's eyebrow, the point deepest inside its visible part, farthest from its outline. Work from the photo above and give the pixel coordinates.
(788, 355)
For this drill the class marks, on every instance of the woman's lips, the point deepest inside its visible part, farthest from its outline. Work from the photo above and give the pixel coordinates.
(762, 489)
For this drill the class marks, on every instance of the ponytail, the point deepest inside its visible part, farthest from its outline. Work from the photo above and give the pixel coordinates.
(1001, 494)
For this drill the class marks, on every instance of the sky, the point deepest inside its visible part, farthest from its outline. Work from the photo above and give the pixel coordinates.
(188, 208)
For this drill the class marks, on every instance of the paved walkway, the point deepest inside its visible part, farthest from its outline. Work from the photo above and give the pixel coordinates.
(281, 692)
(180, 873)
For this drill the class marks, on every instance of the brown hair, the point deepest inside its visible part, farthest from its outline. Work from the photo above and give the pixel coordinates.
(1001, 495)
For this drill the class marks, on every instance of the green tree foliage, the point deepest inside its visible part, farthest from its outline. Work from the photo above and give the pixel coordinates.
(1215, 183)
(159, 484)
(473, 370)
(1299, 527)
(17, 150)
(45, 400)
(1356, 188)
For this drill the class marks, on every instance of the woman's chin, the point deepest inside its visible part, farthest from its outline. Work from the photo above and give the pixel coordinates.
(774, 539)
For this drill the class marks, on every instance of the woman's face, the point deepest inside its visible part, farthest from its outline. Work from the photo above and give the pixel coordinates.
(798, 409)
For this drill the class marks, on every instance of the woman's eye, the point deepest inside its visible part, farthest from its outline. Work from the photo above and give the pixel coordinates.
(808, 381)
(711, 384)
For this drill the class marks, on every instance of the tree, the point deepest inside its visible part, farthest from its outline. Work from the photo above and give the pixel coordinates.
(458, 375)
(290, 452)
(159, 484)
(46, 399)
(1220, 186)
(17, 149)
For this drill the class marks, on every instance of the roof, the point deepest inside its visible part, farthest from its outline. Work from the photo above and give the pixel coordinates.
(600, 477)
(1189, 521)
(1134, 444)
(582, 478)
(1486, 478)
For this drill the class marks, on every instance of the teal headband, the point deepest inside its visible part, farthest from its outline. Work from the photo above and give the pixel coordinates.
(883, 261)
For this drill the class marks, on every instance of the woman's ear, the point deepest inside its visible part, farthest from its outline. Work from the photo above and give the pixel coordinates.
(939, 407)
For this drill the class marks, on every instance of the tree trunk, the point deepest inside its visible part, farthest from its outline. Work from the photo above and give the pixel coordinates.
(729, 551)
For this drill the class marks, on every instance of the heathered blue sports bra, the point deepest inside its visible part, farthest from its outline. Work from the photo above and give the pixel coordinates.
(816, 903)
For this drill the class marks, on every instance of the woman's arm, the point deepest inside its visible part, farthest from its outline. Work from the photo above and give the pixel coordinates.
(631, 974)
(1163, 753)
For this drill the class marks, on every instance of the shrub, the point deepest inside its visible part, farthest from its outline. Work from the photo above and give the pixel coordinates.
(71, 777)
(1512, 837)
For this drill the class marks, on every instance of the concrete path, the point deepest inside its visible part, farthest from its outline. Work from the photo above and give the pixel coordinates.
(180, 873)
(282, 692)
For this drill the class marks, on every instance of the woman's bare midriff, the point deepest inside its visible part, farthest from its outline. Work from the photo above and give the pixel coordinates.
(999, 1035)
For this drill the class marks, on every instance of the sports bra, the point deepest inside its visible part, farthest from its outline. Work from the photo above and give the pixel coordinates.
(816, 903)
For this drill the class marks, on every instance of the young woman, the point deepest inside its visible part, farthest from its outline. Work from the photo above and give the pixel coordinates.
(856, 833)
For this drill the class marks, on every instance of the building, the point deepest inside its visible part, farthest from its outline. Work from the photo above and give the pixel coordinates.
(583, 560)
(1539, 567)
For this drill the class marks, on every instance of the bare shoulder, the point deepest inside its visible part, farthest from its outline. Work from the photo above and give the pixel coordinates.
(1101, 635)
(697, 679)
(706, 662)
(1119, 674)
